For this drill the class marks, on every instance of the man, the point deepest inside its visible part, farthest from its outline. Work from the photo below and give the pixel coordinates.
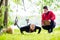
(49, 16)
(28, 28)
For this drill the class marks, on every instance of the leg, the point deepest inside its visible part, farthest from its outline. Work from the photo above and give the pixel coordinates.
(46, 27)
(52, 26)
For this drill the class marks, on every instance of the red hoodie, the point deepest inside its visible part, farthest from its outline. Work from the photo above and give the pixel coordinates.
(48, 16)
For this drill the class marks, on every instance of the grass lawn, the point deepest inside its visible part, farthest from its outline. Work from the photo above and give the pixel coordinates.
(44, 35)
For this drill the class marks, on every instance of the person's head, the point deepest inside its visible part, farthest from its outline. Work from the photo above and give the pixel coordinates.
(45, 9)
(32, 27)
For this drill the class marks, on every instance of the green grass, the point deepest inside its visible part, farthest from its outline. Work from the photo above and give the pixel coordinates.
(44, 35)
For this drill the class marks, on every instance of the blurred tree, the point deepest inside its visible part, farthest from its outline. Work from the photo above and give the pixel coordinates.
(17, 1)
(39, 3)
(6, 14)
(49, 3)
(1, 2)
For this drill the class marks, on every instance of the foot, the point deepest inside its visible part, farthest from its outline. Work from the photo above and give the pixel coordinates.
(50, 30)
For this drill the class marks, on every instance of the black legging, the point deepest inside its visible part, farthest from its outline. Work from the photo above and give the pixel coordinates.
(49, 27)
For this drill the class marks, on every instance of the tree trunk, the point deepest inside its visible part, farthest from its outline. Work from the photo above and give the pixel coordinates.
(1, 1)
(6, 14)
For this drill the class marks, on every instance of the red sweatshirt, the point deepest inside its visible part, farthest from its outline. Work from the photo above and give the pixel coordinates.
(48, 16)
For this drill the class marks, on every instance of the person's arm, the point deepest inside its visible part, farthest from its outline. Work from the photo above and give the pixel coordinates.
(38, 29)
(52, 16)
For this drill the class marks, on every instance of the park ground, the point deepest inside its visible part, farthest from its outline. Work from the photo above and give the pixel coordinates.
(44, 35)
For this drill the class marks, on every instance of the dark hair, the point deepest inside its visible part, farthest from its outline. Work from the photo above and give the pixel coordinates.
(45, 7)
